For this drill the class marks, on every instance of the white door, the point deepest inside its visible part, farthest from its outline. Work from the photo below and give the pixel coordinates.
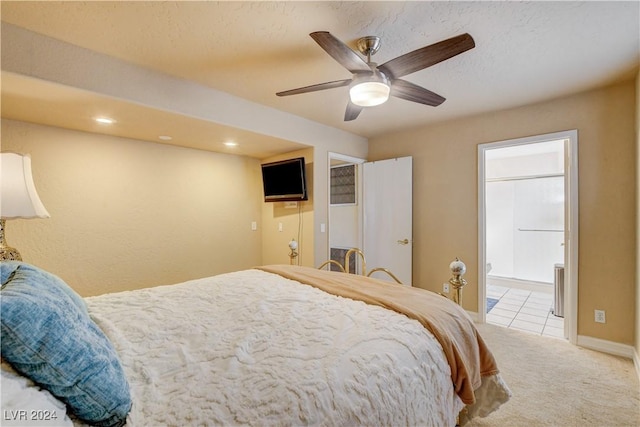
(388, 239)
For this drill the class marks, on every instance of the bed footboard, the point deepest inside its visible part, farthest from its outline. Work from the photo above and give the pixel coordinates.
(345, 268)
(457, 267)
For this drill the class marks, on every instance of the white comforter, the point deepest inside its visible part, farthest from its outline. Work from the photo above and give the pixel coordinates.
(254, 348)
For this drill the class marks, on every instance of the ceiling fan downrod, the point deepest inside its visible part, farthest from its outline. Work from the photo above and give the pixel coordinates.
(368, 46)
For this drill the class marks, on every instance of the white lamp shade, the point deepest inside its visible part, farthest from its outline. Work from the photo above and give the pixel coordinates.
(18, 195)
(369, 90)
(369, 94)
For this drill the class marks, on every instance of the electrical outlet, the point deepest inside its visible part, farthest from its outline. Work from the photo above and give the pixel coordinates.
(600, 317)
(445, 288)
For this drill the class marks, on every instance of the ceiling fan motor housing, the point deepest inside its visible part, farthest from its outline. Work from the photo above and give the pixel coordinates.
(368, 46)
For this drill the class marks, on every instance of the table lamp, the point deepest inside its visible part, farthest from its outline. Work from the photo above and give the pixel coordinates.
(18, 197)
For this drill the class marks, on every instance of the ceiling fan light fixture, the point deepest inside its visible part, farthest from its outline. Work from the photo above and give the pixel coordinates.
(370, 84)
(370, 90)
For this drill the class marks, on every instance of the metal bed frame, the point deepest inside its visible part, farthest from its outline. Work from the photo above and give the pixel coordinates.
(345, 267)
(456, 281)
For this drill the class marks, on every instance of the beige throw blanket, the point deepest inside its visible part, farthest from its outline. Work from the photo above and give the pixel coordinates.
(466, 352)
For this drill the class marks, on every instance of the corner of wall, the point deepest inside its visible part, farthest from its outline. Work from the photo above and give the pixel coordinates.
(636, 363)
(637, 287)
(280, 223)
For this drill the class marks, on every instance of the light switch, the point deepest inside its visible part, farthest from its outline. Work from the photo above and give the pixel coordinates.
(254, 225)
(279, 226)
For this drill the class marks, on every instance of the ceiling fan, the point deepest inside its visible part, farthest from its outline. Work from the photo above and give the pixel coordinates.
(372, 83)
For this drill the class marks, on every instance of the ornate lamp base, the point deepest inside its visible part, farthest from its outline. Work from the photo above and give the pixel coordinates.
(7, 253)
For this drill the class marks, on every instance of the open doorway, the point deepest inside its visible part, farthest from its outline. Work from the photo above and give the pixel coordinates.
(370, 209)
(528, 234)
(345, 209)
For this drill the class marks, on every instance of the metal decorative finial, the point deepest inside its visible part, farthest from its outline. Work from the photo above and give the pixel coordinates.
(458, 268)
(293, 245)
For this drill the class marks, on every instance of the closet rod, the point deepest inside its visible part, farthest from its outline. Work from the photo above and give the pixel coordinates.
(535, 229)
(520, 178)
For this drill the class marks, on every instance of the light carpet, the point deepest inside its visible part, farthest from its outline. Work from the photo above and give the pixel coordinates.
(557, 384)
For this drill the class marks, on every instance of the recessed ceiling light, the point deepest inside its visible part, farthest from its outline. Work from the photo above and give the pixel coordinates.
(165, 137)
(104, 120)
(230, 144)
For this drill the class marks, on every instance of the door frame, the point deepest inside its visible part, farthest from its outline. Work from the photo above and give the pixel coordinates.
(571, 224)
(347, 160)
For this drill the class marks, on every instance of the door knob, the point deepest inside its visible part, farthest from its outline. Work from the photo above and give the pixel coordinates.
(403, 242)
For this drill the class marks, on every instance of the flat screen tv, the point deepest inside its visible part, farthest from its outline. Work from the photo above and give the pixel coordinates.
(284, 180)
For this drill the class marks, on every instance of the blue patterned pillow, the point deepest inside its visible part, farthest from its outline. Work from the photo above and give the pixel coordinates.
(48, 336)
(7, 268)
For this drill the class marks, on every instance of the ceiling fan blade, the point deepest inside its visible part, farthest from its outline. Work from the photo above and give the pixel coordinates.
(411, 92)
(340, 52)
(313, 88)
(353, 111)
(427, 56)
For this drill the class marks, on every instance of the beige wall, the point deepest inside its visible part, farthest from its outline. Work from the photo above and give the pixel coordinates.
(445, 196)
(297, 223)
(637, 322)
(128, 214)
(36, 56)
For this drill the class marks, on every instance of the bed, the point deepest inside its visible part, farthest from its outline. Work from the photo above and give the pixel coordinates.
(269, 346)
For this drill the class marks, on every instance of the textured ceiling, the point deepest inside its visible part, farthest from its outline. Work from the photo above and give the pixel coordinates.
(525, 52)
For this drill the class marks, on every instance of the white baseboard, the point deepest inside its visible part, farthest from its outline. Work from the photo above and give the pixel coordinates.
(598, 344)
(609, 347)
(603, 346)
(527, 285)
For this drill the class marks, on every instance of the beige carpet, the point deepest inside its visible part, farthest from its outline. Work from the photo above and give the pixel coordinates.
(557, 384)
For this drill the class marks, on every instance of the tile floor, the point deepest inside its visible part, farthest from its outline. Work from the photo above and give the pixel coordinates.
(525, 310)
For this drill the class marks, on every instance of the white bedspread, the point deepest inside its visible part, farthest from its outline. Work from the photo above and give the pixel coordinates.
(254, 348)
